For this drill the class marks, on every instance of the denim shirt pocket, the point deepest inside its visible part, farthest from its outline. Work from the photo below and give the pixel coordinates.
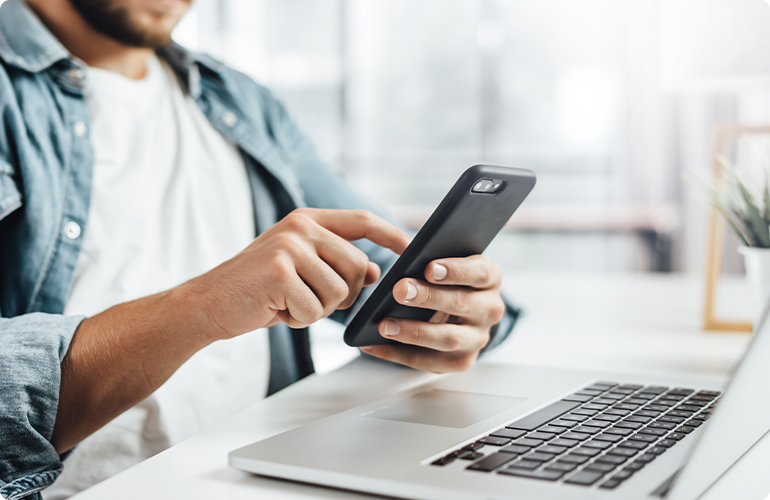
(10, 196)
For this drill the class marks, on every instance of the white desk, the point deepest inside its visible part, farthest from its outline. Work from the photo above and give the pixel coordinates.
(619, 323)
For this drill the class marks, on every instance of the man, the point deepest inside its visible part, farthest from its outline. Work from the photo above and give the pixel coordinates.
(153, 202)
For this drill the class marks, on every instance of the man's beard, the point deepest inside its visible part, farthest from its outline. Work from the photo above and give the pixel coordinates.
(116, 23)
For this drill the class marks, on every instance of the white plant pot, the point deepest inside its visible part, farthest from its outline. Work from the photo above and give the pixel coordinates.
(758, 275)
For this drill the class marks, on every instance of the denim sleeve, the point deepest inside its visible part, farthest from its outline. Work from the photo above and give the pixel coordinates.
(32, 347)
(324, 188)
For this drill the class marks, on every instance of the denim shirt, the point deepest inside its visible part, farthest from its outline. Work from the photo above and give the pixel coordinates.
(46, 164)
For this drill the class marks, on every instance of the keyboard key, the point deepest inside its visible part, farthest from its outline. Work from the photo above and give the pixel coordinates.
(610, 484)
(587, 430)
(688, 408)
(629, 425)
(575, 436)
(600, 467)
(647, 438)
(491, 462)
(473, 446)
(612, 459)
(709, 393)
(637, 445)
(676, 435)
(625, 406)
(556, 450)
(519, 450)
(623, 474)
(679, 413)
(591, 406)
(537, 456)
(586, 452)
(532, 443)
(542, 416)
(681, 391)
(695, 422)
(602, 385)
(589, 392)
(655, 389)
(583, 411)
(600, 445)
(668, 443)
(584, 478)
(603, 401)
(551, 429)
(654, 432)
(608, 417)
(566, 443)
(669, 418)
(663, 425)
(656, 408)
(574, 459)
(634, 466)
(546, 475)
(508, 433)
(574, 418)
(610, 438)
(614, 395)
(563, 423)
(686, 429)
(646, 458)
(494, 441)
(645, 395)
(620, 432)
(636, 418)
(623, 452)
(561, 466)
(601, 424)
(647, 413)
(470, 455)
(657, 450)
(665, 402)
(635, 401)
(525, 464)
(578, 397)
(542, 436)
(444, 460)
(675, 397)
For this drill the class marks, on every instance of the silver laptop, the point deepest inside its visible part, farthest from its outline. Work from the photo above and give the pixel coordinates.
(505, 432)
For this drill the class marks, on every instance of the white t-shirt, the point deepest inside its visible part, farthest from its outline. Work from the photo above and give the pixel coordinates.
(170, 200)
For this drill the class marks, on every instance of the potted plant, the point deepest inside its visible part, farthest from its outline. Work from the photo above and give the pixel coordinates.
(746, 207)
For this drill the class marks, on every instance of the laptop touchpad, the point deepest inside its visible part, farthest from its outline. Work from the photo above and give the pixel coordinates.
(445, 408)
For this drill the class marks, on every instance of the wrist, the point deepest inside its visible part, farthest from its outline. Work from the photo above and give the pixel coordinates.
(189, 308)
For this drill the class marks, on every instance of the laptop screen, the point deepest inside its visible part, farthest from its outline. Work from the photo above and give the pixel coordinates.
(742, 417)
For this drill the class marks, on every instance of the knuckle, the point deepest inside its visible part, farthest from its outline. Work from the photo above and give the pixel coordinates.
(497, 312)
(364, 216)
(340, 291)
(297, 221)
(454, 341)
(461, 302)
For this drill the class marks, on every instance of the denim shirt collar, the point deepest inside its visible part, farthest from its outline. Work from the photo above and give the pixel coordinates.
(25, 42)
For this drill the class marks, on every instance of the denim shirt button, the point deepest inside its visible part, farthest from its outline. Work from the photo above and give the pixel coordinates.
(76, 75)
(80, 129)
(229, 119)
(72, 230)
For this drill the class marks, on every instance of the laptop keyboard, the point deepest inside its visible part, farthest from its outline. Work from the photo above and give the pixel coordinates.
(602, 434)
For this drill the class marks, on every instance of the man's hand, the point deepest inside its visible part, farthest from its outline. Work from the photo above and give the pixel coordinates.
(465, 293)
(300, 270)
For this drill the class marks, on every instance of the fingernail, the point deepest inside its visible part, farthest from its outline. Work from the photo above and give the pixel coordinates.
(411, 291)
(439, 272)
(391, 328)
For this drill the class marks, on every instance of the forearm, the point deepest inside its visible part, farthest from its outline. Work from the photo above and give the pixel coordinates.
(119, 357)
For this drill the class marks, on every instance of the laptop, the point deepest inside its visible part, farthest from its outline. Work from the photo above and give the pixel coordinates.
(518, 432)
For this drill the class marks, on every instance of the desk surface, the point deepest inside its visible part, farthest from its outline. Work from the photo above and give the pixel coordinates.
(636, 323)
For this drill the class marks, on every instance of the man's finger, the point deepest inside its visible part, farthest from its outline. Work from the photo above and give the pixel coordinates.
(444, 337)
(475, 271)
(357, 224)
(474, 306)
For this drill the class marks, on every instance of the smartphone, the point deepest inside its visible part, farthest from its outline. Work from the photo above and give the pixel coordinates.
(465, 223)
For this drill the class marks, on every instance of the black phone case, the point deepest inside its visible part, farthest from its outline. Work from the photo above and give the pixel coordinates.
(463, 224)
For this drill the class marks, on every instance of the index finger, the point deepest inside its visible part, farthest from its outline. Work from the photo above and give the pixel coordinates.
(358, 224)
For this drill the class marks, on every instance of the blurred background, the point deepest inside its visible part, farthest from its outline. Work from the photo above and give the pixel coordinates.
(608, 101)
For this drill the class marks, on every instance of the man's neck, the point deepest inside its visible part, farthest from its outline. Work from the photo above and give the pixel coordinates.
(92, 47)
